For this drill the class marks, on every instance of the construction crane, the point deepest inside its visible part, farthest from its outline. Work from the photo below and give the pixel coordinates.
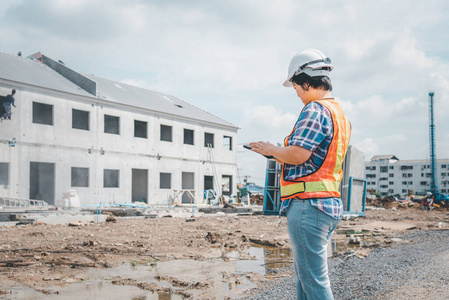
(433, 159)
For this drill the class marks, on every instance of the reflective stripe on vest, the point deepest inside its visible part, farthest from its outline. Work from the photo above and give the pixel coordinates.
(324, 182)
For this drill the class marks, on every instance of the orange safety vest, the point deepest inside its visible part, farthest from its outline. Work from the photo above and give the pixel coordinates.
(324, 182)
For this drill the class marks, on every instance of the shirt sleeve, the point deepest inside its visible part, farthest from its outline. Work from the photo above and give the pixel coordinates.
(311, 128)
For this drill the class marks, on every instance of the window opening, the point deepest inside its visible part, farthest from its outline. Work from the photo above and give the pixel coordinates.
(2, 109)
(42, 182)
(188, 183)
(80, 119)
(80, 177)
(111, 124)
(42, 113)
(165, 180)
(208, 182)
(111, 178)
(139, 192)
(4, 174)
(140, 129)
(226, 185)
(188, 136)
(166, 133)
(227, 143)
(208, 140)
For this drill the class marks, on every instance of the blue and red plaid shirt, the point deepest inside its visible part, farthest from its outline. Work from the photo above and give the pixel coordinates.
(313, 131)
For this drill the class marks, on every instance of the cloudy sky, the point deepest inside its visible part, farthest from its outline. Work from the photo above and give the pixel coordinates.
(231, 57)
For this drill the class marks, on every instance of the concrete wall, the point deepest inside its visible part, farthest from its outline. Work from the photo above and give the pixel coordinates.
(67, 147)
(353, 166)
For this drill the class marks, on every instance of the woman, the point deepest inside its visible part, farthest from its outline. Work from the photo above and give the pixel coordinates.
(312, 158)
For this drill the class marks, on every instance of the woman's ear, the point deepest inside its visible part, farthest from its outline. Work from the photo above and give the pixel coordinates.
(305, 86)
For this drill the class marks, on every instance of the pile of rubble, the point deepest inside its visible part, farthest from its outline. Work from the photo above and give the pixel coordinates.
(390, 202)
(257, 200)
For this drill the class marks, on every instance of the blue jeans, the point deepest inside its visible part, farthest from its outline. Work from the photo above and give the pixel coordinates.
(310, 231)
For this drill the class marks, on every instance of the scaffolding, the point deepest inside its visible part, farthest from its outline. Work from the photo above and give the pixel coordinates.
(177, 198)
(11, 202)
(211, 160)
(272, 198)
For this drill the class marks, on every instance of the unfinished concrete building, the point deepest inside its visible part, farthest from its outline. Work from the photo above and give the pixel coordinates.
(388, 175)
(109, 141)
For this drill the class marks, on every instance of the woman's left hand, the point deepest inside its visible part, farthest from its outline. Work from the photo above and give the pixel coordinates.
(264, 148)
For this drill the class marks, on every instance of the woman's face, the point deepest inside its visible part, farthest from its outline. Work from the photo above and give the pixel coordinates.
(301, 93)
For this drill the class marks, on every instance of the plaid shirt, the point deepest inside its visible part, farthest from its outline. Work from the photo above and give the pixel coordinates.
(313, 131)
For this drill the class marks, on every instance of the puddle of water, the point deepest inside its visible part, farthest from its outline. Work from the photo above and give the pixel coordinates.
(265, 258)
(343, 245)
(97, 282)
(87, 290)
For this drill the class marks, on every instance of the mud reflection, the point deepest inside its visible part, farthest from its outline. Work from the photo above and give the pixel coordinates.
(210, 279)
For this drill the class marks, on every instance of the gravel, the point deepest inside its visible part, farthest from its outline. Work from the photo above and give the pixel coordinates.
(418, 269)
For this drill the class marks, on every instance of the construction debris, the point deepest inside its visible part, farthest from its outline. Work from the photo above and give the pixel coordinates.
(111, 218)
(74, 247)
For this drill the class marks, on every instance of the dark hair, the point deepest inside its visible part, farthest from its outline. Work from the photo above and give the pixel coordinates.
(13, 92)
(317, 82)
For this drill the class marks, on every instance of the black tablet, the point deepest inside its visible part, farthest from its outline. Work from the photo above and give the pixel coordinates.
(247, 146)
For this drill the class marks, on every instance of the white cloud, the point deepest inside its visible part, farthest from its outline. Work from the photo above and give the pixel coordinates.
(405, 53)
(368, 146)
(266, 123)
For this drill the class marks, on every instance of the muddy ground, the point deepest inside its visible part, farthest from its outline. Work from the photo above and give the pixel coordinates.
(39, 256)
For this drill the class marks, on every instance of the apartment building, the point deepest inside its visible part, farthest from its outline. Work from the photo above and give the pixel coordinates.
(109, 141)
(388, 175)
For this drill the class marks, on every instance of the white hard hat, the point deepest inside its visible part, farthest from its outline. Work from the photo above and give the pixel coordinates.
(312, 62)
